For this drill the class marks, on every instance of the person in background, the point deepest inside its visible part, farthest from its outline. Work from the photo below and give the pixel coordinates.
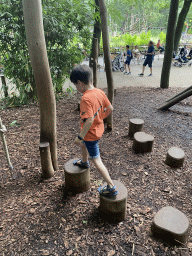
(160, 47)
(127, 62)
(150, 56)
(136, 54)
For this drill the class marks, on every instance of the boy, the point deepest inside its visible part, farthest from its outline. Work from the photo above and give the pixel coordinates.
(127, 62)
(94, 107)
(148, 61)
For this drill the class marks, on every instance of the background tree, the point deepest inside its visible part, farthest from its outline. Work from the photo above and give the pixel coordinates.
(66, 23)
(169, 44)
(38, 55)
(96, 32)
(180, 23)
(107, 58)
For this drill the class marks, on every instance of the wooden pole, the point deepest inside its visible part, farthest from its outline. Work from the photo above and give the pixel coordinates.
(176, 100)
(189, 88)
(95, 62)
(4, 86)
(107, 58)
(32, 10)
(2, 131)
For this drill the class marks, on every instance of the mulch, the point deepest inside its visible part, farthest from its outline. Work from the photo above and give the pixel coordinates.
(40, 218)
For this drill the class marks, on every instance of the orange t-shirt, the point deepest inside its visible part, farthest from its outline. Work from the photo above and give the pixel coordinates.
(92, 101)
(158, 44)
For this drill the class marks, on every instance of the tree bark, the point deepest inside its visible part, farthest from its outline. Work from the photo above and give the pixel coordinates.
(38, 55)
(95, 61)
(180, 23)
(96, 34)
(107, 58)
(169, 44)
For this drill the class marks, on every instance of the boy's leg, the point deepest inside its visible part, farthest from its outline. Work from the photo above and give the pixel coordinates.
(103, 171)
(85, 154)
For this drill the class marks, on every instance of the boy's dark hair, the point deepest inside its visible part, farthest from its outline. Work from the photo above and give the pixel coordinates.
(82, 73)
(127, 46)
(151, 42)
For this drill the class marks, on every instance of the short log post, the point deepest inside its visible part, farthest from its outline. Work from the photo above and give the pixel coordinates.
(170, 225)
(135, 125)
(46, 162)
(77, 179)
(142, 142)
(175, 157)
(113, 209)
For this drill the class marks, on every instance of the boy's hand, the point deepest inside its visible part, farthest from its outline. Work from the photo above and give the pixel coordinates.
(77, 141)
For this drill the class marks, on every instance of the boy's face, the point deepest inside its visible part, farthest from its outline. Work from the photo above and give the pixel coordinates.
(81, 87)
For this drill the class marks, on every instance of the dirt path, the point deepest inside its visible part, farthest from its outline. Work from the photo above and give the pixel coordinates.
(41, 219)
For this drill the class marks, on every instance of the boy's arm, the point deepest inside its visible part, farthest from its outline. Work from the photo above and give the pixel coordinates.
(86, 127)
(107, 111)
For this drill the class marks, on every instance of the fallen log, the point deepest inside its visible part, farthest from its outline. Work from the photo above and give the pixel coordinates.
(189, 88)
(176, 100)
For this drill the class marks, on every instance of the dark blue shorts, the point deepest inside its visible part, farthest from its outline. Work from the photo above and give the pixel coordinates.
(92, 148)
(148, 62)
(127, 62)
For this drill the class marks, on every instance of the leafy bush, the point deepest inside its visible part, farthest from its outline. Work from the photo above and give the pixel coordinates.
(162, 36)
(66, 23)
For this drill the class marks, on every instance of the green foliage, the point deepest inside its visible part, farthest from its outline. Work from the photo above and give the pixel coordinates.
(123, 40)
(66, 23)
(162, 36)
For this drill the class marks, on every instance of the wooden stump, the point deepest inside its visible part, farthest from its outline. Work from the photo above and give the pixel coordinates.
(170, 224)
(135, 125)
(46, 161)
(175, 157)
(77, 179)
(142, 142)
(113, 209)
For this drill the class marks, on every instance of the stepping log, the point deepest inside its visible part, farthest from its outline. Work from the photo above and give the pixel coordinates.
(113, 208)
(135, 125)
(175, 157)
(170, 224)
(142, 142)
(77, 179)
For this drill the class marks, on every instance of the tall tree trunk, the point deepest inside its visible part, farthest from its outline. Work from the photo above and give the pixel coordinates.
(180, 23)
(107, 58)
(169, 44)
(37, 51)
(95, 61)
(96, 34)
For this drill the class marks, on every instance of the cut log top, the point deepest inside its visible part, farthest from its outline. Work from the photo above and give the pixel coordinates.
(44, 144)
(172, 220)
(122, 192)
(143, 137)
(176, 153)
(71, 168)
(136, 121)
